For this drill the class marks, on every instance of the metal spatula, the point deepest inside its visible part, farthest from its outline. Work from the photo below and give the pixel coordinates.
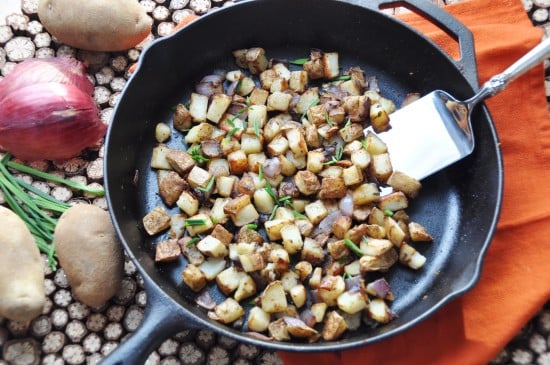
(435, 131)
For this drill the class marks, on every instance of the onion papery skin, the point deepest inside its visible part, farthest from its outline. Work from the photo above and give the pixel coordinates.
(63, 70)
(49, 121)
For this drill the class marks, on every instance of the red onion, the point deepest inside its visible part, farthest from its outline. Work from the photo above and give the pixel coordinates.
(210, 85)
(272, 167)
(380, 288)
(64, 70)
(346, 205)
(49, 121)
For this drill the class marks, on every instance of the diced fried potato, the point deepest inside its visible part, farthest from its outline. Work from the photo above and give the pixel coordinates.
(252, 262)
(292, 239)
(379, 118)
(365, 194)
(156, 220)
(227, 311)
(338, 249)
(289, 279)
(177, 225)
(263, 201)
(316, 277)
(194, 278)
(267, 77)
(341, 226)
(273, 298)
(211, 267)
(180, 161)
(198, 107)
(319, 310)
(256, 60)
(381, 166)
(418, 233)
(394, 232)
(158, 158)
(409, 256)
(298, 81)
(331, 67)
(316, 211)
(352, 302)
(224, 185)
(279, 84)
(188, 203)
(332, 188)
(298, 295)
(393, 202)
(199, 133)
(378, 263)
(335, 326)
(317, 114)
(280, 258)
(307, 100)
(304, 226)
(303, 269)
(170, 187)
(296, 142)
(258, 96)
(330, 289)
(376, 216)
(254, 162)
(246, 215)
(218, 167)
(205, 226)
(245, 86)
(332, 171)
(182, 118)
(238, 162)
(167, 251)
(273, 228)
(251, 143)
(374, 144)
(376, 231)
(352, 175)
(278, 330)
(212, 247)
(351, 132)
(379, 311)
(353, 268)
(236, 204)
(234, 75)
(361, 158)
(402, 182)
(278, 101)
(352, 87)
(257, 115)
(199, 177)
(218, 106)
(314, 69)
(307, 183)
(258, 320)
(162, 132)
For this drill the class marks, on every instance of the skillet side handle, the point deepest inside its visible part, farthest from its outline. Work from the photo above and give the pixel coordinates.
(159, 323)
(446, 22)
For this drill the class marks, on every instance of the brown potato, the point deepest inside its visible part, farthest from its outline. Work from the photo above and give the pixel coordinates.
(22, 294)
(89, 253)
(96, 25)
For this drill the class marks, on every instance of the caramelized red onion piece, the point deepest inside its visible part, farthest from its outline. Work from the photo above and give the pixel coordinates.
(63, 70)
(346, 205)
(272, 167)
(49, 121)
(380, 287)
(210, 85)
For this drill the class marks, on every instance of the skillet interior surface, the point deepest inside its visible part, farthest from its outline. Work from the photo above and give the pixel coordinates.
(459, 206)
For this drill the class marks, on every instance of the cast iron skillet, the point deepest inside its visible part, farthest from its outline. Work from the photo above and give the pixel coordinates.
(459, 206)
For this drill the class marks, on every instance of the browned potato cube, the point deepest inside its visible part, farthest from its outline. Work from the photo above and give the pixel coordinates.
(332, 188)
(256, 60)
(278, 101)
(218, 106)
(298, 81)
(258, 96)
(393, 202)
(418, 233)
(402, 182)
(156, 221)
(171, 186)
(194, 278)
(182, 118)
(379, 118)
(381, 166)
(307, 182)
(180, 161)
(365, 194)
(317, 114)
(199, 177)
(331, 67)
(341, 226)
(335, 326)
(314, 69)
(167, 251)
(238, 162)
(267, 77)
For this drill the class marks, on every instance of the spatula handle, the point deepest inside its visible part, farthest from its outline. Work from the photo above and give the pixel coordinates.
(498, 82)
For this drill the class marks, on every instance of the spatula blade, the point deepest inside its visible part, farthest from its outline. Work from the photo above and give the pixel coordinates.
(425, 136)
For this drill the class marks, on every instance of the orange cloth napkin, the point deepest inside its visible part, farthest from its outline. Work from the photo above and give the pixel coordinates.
(515, 280)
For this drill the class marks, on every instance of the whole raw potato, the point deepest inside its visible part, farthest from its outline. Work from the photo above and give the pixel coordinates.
(96, 25)
(22, 294)
(88, 250)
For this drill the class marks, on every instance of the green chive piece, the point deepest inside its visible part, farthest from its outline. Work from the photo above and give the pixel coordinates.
(195, 222)
(257, 129)
(342, 78)
(315, 102)
(208, 187)
(260, 171)
(252, 226)
(299, 61)
(352, 246)
(54, 178)
(388, 212)
(192, 241)
(298, 215)
(197, 155)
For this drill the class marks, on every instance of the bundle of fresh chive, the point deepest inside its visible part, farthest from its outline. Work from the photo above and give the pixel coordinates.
(37, 209)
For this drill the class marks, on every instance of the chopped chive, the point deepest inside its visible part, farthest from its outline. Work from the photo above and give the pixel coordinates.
(197, 155)
(195, 222)
(271, 193)
(260, 172)
(273, 212)
(388, 212)
(352, 246)
(208, 187)
(192, 241)
(345, 275)
(327, 119)
(252, 226)
(299, 61)
(232, 132)
(365, 239)
(54, 178)
(337, 156)
(364, 143)
(342, 78)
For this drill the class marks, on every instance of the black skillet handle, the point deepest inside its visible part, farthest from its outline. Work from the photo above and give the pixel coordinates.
(446, 22)
(158, 324)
